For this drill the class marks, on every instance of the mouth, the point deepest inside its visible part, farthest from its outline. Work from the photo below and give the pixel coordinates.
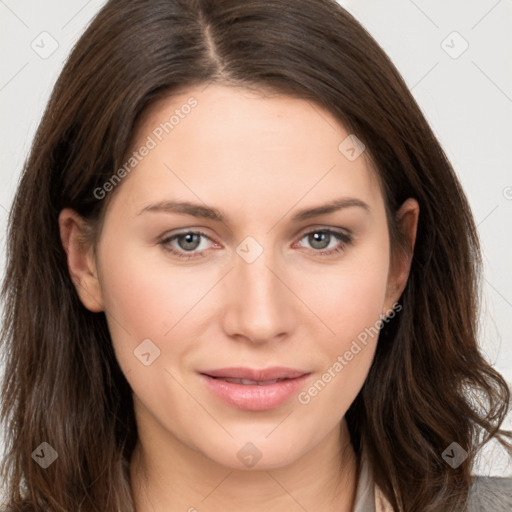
(247, 382)
(255, 375)
(252, 389)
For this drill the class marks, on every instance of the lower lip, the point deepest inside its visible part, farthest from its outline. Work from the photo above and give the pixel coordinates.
(254, 397)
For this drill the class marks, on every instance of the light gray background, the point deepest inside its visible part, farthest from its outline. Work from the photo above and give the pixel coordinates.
(467, 99)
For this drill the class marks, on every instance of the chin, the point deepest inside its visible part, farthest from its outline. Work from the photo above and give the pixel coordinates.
(258, 453)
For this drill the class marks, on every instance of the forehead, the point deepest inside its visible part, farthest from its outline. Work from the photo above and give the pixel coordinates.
(243, 120)
(239, 145)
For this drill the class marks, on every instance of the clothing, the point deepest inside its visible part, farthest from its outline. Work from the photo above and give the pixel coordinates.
(488, 494)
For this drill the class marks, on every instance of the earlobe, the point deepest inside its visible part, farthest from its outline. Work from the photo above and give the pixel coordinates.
(407, 219)
(80, 258)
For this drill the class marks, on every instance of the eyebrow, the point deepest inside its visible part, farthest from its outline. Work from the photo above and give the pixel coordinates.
(207, 212)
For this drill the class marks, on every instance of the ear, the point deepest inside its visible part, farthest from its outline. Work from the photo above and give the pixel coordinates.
(81, 259)
(401, 257)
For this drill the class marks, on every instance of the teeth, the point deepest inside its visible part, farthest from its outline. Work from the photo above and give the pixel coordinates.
(248, 382)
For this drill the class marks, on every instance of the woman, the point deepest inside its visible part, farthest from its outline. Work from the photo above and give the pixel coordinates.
(242, 274)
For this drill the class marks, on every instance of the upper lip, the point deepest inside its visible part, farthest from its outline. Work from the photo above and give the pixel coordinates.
(255, 374)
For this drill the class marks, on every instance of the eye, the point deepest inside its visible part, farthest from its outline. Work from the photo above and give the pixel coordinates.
(327, 241)
(187, 242)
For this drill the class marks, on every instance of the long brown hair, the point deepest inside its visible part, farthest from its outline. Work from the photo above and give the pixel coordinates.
(62, 383)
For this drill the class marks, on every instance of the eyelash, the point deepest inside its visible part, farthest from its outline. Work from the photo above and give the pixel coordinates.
(345, 239)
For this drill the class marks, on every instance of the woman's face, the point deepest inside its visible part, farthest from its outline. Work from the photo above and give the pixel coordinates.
(277, 279)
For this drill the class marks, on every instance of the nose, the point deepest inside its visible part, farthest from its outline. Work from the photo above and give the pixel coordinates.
(260, 307)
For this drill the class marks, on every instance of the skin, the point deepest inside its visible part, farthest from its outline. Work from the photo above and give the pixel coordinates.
(260, 159)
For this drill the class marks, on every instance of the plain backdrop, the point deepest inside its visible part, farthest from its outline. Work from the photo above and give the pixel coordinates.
(453, 56)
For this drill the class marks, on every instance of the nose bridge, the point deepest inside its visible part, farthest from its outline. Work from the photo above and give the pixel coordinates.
(259, 306)
(258, 283)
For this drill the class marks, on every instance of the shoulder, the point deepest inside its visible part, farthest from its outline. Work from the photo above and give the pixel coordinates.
(490, 493)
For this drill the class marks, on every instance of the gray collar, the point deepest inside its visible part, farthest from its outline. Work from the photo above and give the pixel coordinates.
(486, 494)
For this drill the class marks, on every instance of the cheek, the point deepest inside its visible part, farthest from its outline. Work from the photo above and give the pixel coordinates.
(352, 306)
(347, 357)
(146, 298)
(348, 297)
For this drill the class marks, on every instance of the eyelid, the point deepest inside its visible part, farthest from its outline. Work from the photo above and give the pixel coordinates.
(320, 227)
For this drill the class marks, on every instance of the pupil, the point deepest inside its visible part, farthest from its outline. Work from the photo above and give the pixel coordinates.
(317, 242)
(190, 241)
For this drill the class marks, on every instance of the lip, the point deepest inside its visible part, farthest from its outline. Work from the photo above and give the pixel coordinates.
(276, 372)
(255, 397)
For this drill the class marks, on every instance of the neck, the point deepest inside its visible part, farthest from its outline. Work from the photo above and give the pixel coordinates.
(172, 477)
